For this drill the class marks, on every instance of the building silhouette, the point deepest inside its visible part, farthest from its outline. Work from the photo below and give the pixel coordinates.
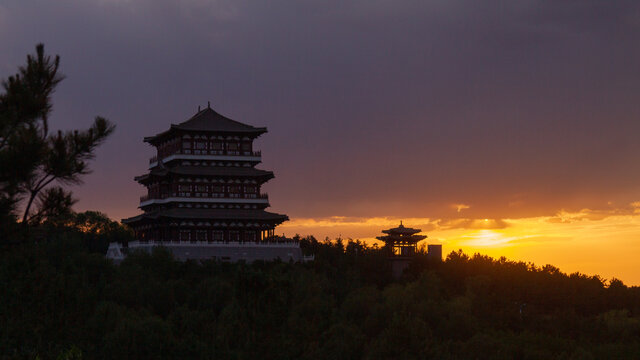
(401, 244)
(203, 194)
(434, 252)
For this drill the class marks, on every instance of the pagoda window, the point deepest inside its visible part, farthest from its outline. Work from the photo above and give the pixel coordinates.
(246, 146)
(250, 236)
(217, 147)
(250, 191)
(200, 147)
(186, 147)
(201, 191)
(185, 235)
(233, 190)
(217, 190)
(232, 148)
(218, 235)
(201, 235)
(234, 235)
(184, 190)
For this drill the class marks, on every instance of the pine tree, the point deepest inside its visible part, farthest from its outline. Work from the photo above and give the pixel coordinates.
(35, 165)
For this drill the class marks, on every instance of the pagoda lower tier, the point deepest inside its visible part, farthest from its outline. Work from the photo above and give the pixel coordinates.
(205, 225)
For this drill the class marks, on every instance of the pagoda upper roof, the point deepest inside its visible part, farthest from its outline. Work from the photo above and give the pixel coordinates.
(218, 171)
(210, 214)
(208, 120)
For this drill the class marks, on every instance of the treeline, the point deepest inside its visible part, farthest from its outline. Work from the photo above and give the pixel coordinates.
(61, 299)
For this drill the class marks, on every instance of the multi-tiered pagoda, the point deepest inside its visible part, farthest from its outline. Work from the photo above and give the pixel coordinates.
(203, 185)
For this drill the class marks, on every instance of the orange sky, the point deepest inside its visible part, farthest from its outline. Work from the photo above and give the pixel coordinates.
(591, 242)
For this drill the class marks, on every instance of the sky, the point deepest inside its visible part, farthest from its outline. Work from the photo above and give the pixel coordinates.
(505, 128)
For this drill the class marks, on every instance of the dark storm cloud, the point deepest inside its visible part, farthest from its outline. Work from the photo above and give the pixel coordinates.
(375, 108)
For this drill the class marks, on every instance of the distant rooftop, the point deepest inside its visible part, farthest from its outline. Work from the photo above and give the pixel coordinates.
(401, 230)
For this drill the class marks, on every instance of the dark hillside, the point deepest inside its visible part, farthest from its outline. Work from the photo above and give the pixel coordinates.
(61, 299)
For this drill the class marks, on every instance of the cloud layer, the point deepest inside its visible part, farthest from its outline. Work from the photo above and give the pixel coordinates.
(374, 108)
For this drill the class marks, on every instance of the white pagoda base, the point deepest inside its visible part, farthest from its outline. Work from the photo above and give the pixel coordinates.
(220, 251)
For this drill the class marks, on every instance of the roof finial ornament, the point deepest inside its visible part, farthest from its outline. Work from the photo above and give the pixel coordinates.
(198, 108)
(209, 104)
(400, 222)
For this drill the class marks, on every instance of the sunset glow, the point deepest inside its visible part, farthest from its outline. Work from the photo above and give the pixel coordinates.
(591, 242)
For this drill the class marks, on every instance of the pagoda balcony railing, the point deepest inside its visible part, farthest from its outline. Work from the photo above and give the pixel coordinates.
(174, 242)
(202, 196)
(154, 159)
(219, 152)
(255, 196)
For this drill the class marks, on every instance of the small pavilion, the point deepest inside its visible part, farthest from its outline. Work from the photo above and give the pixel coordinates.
(402, 244)
(402, 241)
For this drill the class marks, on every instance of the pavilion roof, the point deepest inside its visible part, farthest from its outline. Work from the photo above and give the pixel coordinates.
(402, 238)
(208, 120)
(401, 230)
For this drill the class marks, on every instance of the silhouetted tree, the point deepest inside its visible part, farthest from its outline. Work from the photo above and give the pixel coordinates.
(31, 160)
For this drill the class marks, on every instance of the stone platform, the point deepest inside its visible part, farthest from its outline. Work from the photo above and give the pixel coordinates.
(221, 251)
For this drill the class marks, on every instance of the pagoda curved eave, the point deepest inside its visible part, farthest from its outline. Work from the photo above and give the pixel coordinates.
(217, 172)
(402, 239)
(252, 215)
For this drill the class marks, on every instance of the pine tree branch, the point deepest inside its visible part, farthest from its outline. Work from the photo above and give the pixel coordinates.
(34, 192)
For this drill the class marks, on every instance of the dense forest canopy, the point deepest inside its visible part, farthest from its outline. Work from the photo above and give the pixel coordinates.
(62, 299)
